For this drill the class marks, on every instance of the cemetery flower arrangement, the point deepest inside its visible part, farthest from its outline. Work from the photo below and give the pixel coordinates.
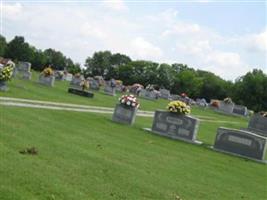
(48, 71)
(6, 72)
(263, 113)
(215, 103)
(84, 84)
(179, 107)
(129, 100)
(228, 100)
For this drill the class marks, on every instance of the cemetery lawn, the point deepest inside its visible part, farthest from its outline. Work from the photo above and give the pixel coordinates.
(59, 93)
(87, 156)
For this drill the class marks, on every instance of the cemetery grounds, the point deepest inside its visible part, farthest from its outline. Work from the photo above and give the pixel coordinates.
(83, 155)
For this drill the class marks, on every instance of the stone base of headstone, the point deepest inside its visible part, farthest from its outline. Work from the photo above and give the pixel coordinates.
(81, 92)
(3, 86)
(47, 80)
(172, 125)
(241, 143)
(124, 114)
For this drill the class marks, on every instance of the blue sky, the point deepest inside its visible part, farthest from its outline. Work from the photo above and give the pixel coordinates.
(227, 38)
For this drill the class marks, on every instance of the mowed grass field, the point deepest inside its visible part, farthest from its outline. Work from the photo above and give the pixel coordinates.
(87, 156)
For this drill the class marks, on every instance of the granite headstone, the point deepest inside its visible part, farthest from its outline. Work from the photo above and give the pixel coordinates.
(175, 126)
(240, 142)
(124, 114)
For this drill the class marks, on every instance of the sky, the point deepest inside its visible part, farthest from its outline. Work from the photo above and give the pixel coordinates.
(228, 38)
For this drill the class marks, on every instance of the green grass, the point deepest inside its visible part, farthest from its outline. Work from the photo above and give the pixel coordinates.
(33, 90)
(87, 156)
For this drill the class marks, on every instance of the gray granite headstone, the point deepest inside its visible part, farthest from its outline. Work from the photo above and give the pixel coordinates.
(201, 102)
(176, 126)
(240, 142)
(151, 95)
(258, 125)
(23, 70)
(175, 97)
(94, 85)
(240, 110)
(226, 107)
(124, 114)
(165, 94)
(47, 80)
(76, 83)
(110, 90)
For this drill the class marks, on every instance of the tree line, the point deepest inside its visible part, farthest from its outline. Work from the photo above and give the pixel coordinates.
(249, 90)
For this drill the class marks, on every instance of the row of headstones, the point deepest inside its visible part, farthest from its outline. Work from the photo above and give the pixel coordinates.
(250, 142)
(231, 108)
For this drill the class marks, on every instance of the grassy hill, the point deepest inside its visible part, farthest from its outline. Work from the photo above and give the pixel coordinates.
(87, 156)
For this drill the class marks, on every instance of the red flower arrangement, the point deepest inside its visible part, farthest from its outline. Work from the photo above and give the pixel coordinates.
(129, 100)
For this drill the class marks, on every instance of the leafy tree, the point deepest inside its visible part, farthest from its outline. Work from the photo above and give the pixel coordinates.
(19, 50)
(251, 90)
(3, 45)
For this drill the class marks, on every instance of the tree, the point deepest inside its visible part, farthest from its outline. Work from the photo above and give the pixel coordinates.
(251, 90)
(3, 45)
(19, 50)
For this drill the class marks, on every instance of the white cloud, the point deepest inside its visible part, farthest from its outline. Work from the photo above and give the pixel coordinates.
(12, 11)
(117, 5)
(89, 30)
(144, 49)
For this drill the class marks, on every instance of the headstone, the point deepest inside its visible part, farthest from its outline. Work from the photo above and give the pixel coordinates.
(226, 107)
(110, 90)
(240, 110)
(76, 82)
(47, 80)
(201, 102)
(241, 143)
(3, 86)
(80, 92)
(59, 75)
(165, 94)
(175, 97)
(124, 114)
(151, 95)
(258, 125)
(68, 76)
(23, 70)
(93, 84)
(175, 126)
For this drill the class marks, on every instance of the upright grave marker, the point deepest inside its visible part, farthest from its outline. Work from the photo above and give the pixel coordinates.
(240, 142)
(175, 123)
(258, 125)
(23, 70)
(165, 94)
(47, 77)
(79, 86)
(125, 111)
(240, 110)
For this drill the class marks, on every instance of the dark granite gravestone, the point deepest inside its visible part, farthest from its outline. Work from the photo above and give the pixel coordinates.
(240, 110)
(241, 143)
(258, 125)
(226, 107)
(124, 114)
(76, 83)
(151, 95)
(3, 86)
(81, 92)
(23, 70)
(165, 94)
(175, 126)
(47, 80)
(110, 90)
